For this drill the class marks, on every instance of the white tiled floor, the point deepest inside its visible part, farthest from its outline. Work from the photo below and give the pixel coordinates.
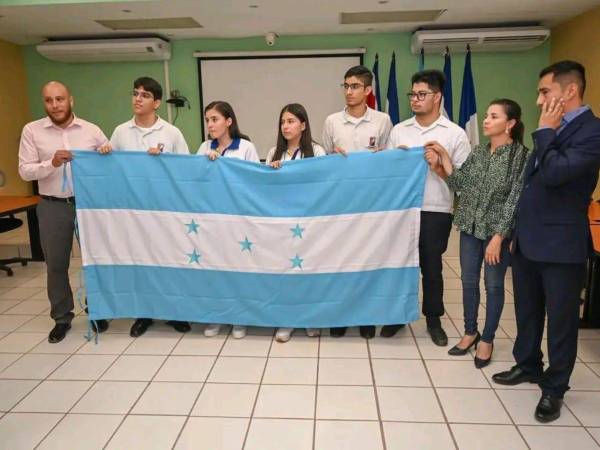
(165, 390)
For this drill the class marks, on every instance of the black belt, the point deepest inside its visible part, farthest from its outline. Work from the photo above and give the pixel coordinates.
(58, 199)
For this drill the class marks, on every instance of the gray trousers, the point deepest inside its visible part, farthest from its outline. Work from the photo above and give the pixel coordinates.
(57, 224)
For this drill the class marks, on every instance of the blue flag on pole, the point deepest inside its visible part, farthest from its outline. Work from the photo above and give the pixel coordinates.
(448, 107)
(180, 237)
(393, 108)
(468, 106)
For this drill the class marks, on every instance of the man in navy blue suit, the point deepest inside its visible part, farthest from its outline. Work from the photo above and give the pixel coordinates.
(551, 239)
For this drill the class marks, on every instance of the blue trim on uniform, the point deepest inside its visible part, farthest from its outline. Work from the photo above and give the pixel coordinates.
(235, 144)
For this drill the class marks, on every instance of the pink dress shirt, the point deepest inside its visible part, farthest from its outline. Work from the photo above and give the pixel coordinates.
(41, 139)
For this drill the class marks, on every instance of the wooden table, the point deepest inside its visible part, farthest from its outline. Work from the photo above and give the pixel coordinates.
(13, 205)
(591, 303)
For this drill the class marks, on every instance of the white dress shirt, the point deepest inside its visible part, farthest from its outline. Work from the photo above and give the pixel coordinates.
(130, 136)
(437, 197)
(353, 134)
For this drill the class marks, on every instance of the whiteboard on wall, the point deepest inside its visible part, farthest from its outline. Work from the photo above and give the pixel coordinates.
(257, 87)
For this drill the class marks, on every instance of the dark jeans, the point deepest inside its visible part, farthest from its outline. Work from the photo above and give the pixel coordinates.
(433, 242)
(552, 289)
(472, 252)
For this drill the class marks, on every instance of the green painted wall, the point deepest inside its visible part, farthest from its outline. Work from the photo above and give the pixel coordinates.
(101, 90)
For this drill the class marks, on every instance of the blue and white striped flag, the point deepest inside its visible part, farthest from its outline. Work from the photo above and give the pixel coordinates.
(321, 242)
(468, 107)
(448, 106)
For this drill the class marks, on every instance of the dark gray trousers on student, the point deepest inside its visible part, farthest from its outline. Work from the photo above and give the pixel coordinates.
(57, 224)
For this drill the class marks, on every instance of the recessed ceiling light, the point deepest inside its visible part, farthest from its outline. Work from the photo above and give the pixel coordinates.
(126, 10)
(253, 6)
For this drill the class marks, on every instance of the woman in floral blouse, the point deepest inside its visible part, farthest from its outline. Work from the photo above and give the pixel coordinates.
(489, 184)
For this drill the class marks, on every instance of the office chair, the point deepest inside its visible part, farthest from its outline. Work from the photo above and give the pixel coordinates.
(7, 224)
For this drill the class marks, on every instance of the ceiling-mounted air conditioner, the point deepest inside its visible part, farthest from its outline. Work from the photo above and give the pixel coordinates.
(479, 39)
(100, 50)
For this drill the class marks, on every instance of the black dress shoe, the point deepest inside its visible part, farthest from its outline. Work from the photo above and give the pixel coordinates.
(481, 363)
(438, 336)
(457, 351)
(182, 327)
(390, 330)
(59, 332)
(139, 327)
(515, 375)
(548, 409)
(367, 331)
(337, 331)
(100, 326)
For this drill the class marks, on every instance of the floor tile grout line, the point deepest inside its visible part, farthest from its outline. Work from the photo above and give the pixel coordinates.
(258, 393)
(314, 436)
(189, 414)
(580, 422)
(437, 396)
(143, 390)
(94, 382)
(376, 394)
(455, 422)
(505, 409)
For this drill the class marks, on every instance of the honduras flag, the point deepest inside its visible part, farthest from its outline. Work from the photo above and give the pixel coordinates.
(448, 107)
(468, 107)
(321, 242)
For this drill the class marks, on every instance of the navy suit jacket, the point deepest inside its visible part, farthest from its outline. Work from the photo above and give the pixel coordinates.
(551, 220)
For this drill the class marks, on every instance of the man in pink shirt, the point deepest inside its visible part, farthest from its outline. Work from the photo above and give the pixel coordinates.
(43, 156)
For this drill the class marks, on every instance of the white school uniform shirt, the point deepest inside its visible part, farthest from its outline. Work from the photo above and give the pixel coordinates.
(437, 197)
(317, 151)
(353, 134)
(239, 148)
(130, 136)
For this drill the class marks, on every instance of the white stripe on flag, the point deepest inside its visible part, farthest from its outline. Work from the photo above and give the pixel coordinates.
(342, 243)
(472, 130)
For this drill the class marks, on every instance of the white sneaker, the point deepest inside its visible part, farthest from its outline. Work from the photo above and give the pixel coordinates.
(283, 334)
(239, 331)
(212, 329)
(313, 332)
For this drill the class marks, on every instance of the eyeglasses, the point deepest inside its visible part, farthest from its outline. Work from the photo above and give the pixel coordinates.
(144, 95)
(352, 87)
(419, 95)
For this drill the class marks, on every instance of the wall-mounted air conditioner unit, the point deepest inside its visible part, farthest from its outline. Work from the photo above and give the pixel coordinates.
(479, 39)
(99, 50)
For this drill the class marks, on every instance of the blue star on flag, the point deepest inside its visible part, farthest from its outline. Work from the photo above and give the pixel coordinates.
(246, 244)
(194, 257)
(192, 227)
(296, 262)
(297, 231)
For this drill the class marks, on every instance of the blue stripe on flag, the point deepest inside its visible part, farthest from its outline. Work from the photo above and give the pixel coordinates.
(377, 84)
(448, 104)
(378, 297)
(392, 93)
(468, 105)
(331, 185)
